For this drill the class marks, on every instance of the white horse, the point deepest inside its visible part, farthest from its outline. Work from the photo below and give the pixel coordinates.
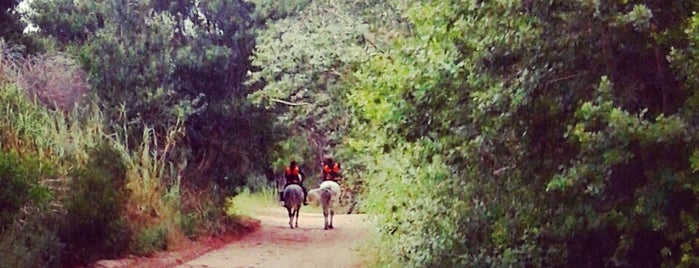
(293, 197)
(327, 194)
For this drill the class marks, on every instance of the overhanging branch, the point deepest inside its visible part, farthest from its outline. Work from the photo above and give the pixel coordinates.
(289, 103)
(566, 77)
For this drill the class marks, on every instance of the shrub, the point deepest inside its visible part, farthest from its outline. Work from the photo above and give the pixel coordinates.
(188, 224)
(94, 227)
(150, 240)
(19, 185)
(32, 245)
(199, 211)
(26, 240)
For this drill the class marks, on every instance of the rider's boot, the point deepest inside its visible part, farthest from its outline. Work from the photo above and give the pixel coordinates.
(305, 195)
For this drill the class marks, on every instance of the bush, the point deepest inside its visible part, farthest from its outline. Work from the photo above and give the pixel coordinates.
(25, 238)
(150, 240)
(94, 226)
(19, 185)
(188, 224)
(32, 245)
(199, 212)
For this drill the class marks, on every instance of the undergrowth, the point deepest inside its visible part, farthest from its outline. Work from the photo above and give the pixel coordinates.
(74, 190)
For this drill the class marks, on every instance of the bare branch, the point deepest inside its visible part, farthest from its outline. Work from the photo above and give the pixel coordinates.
(289, 103)
(502, 169)
(566, 77)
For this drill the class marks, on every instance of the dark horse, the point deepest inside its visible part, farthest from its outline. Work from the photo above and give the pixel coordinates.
(293, 197)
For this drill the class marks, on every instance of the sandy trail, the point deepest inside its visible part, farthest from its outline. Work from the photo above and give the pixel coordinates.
(276, 245)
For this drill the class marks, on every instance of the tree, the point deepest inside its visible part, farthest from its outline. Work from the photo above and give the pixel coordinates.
(153, 63)
(534, 129)
(13, 27)
(301, 61)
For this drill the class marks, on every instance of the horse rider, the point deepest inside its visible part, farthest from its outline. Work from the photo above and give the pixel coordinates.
(294, 175)
(331, 170)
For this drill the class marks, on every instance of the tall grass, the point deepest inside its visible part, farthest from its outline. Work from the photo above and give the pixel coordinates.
(64, 135)
(154, 184)
(31, 126)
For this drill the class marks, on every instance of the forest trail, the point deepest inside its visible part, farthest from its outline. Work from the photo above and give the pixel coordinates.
(276, 245)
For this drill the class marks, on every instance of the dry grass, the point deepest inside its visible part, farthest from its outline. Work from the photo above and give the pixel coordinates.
(56, 81)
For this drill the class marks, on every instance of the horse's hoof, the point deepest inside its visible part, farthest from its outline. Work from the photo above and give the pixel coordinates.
(326, 227)
(330, 226)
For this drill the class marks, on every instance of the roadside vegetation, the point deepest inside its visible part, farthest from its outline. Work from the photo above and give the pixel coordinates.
(478, 133)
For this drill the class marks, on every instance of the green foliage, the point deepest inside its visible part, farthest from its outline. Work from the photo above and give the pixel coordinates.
(20, 183)
(150, 240)
(67, 21)
(270, 10)
(484, 133)
(402, 213)
(554, 126)
(300, 59)
(155, 64)
(13, 26)
(34, 244)
(95, 227)
(133, 72)
(188, 224)
(94, 170)
(301, 70)
(58, 136)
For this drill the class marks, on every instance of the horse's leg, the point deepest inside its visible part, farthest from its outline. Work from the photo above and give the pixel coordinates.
(331, 207)
(332, 213)
(298, 210)
(325, 217)
(291, 216)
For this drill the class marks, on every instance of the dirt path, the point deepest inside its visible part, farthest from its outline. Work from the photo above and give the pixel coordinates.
(276, 245)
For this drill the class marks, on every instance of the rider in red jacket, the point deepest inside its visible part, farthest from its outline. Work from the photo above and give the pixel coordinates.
(331, 170)
(294, 175)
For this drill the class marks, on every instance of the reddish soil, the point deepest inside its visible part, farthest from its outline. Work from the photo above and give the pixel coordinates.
(184, 250)
(273, 244)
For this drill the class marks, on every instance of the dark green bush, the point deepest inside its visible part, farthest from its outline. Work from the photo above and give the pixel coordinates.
(19, 185)
(93, 226)
(35, 244)
(26, 239)
(563, 142)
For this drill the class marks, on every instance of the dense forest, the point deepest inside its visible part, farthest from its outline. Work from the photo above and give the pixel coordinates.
(558, 133)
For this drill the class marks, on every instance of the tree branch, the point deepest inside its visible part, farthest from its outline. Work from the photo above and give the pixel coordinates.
(566, 77)
(289, 103)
